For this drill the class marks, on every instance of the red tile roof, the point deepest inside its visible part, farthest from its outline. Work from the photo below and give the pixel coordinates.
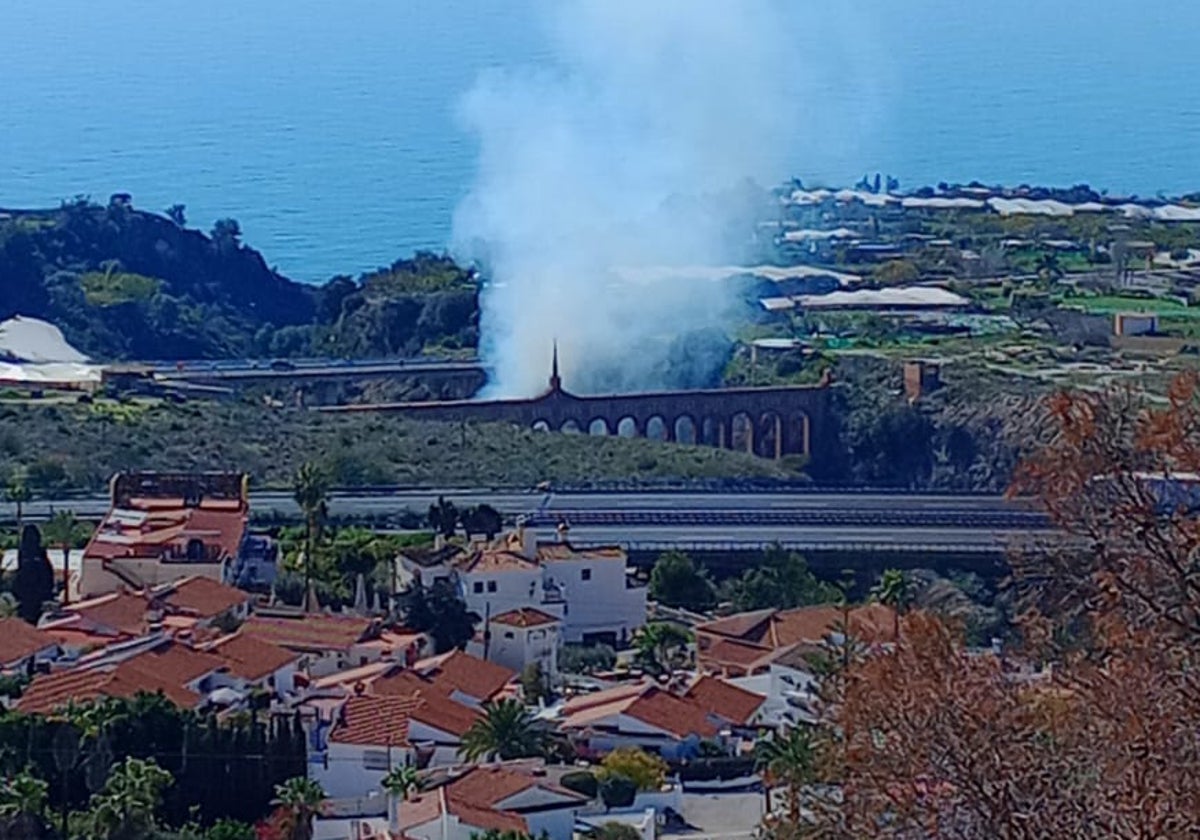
(202, 597)
(374, 721)
(250, 657)
(747, 626)
(19, 640)
(122, 611)
(727, 701)
(446, 715)
(495, 560)
(163, 527)
(176, 663)
(525, 617)
(566, 551)
(678, 716)
(482, 790)
(311, 632)
(471, 675)
(54, 691)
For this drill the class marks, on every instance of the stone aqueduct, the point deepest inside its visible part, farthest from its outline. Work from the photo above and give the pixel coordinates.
(769, 422)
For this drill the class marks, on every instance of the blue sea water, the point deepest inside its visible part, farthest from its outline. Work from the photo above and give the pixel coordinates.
(328, 127)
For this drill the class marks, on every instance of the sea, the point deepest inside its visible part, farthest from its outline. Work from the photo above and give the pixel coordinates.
(331, 130)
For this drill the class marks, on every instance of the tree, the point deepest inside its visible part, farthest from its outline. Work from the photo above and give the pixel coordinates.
(402, 781)
(299, 801)
(23, 800)
(535, 685)
(662, 647)
(893, 591)
(177, 214)
(676, 582)
(16, 492)
(615, 831)
(783, 581)
(932, 738)
(647, 771)
(33, 584)
(788, 760)
(227, 234)
(443, 517)
(125, 808)
(506, 731)
(440, 612)
(310, 489)
(481, 519)
(65, 531)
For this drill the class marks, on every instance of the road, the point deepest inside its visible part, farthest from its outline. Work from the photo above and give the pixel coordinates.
(307, 369)
(737, 520)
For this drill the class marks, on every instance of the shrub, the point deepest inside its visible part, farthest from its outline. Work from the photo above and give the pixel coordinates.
(581, 781)
(618, 792)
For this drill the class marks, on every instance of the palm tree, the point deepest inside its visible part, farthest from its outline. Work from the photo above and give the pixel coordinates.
(788, 759)
(402, 781)
(126, 806)
(300, 800)
(64, 530)
(310, 489)
(507, 730)
(662, 646)
(23, 800)
(893, 590)
(17, 493)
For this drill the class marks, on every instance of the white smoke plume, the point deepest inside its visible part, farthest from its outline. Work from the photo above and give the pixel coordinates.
(637, 145)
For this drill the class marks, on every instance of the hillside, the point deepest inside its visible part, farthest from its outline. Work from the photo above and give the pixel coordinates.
(75, 446)
(123, 283)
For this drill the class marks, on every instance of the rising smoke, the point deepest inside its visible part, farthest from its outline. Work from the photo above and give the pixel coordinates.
(639, 145)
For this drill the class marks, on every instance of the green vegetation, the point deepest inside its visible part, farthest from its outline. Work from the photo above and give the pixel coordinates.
(676, 582)
(68, 446)
(506, 731)
(122, 283)
(111, 288)
(782, 580)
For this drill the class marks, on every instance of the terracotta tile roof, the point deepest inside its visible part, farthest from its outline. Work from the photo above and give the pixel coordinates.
(665, 711)
(646, 702)
(176, 663)
(398, 682)
(747, 626)
(311, 632)
(202, 597)
(773, 629)
(122, 611)
(486, 818)
(733, 656)
(374, 721)
(54, 691)
(445, 714)
(158, 527)
(421, 808)
(486, 787)
(366, 674)
(249, 657)
(727, 701)
(471, 675)
(19, 640)
(525, 617)
(76, 638)
(495, 560)
(566, 551)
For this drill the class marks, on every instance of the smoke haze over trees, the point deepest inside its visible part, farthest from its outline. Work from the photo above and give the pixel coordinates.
(640, 143)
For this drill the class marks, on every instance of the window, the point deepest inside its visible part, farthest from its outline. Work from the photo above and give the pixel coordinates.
(508, 634)
(585, 574)
(375, 760)
(478, 587)
(491, 586)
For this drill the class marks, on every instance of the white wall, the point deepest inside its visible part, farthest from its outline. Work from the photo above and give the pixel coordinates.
(601, 604)
(95, 580)
(347, 776)
(517, 647)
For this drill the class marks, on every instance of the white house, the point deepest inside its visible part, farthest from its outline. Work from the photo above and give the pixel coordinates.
(588, 588)
(788, 686)
(502, 797)
(257, 663)
(372, 734)
(519, 638)
(640, 715)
